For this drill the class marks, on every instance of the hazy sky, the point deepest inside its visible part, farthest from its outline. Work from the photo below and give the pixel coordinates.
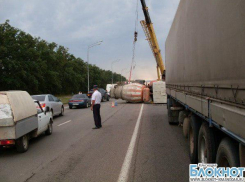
(76, 24)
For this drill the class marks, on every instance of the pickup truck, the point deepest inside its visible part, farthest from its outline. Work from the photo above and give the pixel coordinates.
(22, 118)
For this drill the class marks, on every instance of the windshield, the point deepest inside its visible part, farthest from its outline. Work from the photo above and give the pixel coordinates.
(79, 96)
(38, 97)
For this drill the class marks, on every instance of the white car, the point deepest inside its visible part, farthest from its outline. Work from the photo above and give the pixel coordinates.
(55, 104)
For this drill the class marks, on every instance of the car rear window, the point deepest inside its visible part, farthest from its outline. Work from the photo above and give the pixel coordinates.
(79, 96)
(38, 97)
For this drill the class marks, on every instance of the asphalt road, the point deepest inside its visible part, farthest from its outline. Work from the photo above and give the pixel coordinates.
(75, 152)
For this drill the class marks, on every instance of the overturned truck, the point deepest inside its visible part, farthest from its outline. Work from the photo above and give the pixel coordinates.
(136, 93)
(131, 92)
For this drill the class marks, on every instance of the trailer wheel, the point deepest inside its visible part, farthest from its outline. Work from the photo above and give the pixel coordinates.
(193, 139)
(228, 154)
(206, 144)
(186, 126)
(22, 144)
(49, 131)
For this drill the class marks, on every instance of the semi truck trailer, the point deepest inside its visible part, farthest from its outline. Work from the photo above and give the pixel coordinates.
(205, 79)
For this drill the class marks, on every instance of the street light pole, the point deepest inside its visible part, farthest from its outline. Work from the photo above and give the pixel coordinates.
(88, 66)
(90, 46)
(113, 62)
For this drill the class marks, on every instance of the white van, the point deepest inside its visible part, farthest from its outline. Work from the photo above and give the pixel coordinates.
(108, 88)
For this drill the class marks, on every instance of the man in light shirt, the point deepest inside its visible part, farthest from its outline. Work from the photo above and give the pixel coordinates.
(95, 107)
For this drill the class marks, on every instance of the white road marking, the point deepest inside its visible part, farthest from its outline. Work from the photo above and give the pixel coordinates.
(123, 177)
(64, 123)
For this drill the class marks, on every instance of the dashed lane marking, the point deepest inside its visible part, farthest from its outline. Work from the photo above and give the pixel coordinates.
(64, 123)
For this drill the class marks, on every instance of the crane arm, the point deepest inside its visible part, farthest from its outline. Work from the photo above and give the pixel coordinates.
(152, 39)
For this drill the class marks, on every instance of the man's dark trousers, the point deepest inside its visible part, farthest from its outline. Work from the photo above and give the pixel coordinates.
(97, 118)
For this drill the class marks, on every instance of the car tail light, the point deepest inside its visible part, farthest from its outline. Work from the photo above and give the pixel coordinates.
(7, 142)
(43, 105)
(76, 100)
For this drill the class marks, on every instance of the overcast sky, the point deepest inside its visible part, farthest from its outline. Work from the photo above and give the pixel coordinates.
(76, 24)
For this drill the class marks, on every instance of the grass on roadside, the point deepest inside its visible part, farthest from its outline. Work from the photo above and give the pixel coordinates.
(64, 98)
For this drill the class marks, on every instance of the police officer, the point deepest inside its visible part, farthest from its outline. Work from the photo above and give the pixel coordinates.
(95, 107)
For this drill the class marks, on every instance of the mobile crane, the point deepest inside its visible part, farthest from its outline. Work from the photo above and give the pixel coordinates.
(156, 90)
(149, 31)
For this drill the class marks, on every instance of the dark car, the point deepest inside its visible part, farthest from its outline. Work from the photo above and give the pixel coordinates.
(79, 100)
(104, 94)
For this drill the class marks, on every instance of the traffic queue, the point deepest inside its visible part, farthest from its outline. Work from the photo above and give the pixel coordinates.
(24, 116)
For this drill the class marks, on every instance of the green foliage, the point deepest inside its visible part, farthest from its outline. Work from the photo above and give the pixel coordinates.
(34, 65)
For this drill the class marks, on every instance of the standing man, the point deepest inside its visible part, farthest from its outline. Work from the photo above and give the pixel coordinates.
(95, 107)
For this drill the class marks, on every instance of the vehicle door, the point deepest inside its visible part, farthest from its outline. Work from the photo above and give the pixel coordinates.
(57, 105)
(43, 119)
(52, 103)
(102, 92)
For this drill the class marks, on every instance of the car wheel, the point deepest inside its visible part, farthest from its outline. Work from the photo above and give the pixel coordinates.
(62, 111)
(87, 105)
(22, 144)
(49, 131)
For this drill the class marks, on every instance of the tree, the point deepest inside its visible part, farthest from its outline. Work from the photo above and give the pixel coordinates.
(32, 64)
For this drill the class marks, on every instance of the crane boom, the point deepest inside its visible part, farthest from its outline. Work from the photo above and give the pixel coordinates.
(152, 39)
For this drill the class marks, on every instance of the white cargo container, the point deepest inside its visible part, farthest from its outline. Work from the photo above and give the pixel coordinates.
(159, 92)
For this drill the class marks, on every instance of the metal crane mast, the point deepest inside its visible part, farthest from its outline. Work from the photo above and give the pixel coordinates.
(152, 40)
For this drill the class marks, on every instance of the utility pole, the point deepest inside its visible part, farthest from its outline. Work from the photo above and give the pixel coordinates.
(90, 46)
